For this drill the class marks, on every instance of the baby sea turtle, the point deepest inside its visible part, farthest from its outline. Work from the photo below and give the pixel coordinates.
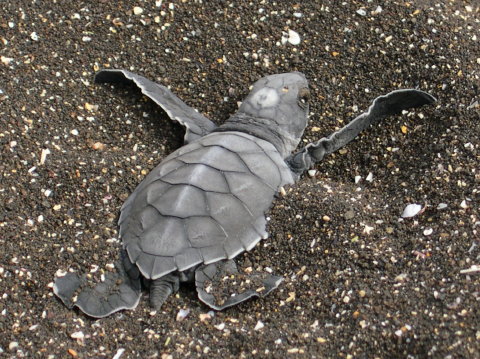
(205, 203)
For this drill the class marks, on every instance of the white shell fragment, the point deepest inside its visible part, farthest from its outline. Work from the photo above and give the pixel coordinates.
(291, 37)
(427, 231)
(119, 353)
(473, 269)
(259, 325)
(369, 177)
(361, 12)
(77, 335)
(43, 156)
(411, 210)
(182, 314)
(60, 273)
(220, 326)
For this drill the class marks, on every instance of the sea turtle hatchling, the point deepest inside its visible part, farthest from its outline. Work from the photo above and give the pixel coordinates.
(205, 203)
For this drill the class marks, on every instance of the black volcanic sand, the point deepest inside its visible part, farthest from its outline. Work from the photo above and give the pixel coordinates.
(359, 281)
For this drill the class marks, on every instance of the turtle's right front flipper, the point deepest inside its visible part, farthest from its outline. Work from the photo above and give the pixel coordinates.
(392, 103)
(118, 291)
(196, 125)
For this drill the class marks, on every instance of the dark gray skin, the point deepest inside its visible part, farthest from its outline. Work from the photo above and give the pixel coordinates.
(206, 202)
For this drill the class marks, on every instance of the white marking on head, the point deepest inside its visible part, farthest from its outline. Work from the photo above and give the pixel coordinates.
(265, 97)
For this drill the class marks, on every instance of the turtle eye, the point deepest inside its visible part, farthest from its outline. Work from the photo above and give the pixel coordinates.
(303, 96)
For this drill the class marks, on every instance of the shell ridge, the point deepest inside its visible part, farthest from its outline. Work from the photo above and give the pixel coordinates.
(238, 198)
(246, 165)
(208, 165)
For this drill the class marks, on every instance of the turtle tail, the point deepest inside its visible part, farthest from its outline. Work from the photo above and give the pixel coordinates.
(120, 290)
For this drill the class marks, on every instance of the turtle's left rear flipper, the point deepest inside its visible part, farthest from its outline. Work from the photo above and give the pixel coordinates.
(196, 125)
(118, 291)
(391, 104)
(220, 285)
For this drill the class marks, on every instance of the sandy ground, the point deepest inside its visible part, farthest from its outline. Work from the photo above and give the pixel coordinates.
(359, 281)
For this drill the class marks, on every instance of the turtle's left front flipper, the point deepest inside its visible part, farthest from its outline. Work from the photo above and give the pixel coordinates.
(196, 125)
(383, 106)
(220, 285)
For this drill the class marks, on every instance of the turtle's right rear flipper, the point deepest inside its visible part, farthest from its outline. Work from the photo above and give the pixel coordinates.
(220, 285)
(118, 291)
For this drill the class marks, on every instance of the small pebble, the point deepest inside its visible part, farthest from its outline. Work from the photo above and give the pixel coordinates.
(220, 326)
(369, 177)
(6, 60)
(204, 317)
(13, 345)
(90, 107)
(291, 297)
(349, 214)
(312, 173)
(98, 146)
(137, 10)
(442, 206)
(77, 335)
(427, 231)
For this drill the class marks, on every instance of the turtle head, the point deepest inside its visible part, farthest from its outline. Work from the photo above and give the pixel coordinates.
(276, 109)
